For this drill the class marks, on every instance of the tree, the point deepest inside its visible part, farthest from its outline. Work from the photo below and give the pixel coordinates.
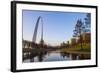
(87, 22)
(79, 29)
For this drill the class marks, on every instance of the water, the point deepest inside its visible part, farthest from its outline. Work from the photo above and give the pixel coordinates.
(53, 56)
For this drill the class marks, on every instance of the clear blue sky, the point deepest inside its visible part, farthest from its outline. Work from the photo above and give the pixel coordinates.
(58, 26)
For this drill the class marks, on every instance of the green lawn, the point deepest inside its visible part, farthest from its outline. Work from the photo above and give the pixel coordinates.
(77, 48)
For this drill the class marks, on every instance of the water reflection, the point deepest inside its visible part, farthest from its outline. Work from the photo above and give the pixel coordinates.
(75, 56)
(42, 56)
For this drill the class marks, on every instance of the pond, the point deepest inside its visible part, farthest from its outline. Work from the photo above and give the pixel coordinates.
(53, 56)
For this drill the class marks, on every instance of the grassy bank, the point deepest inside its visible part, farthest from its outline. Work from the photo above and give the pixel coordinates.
(85, 49)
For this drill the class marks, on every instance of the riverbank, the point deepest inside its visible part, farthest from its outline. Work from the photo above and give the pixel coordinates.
(76, 52)
(77, 49)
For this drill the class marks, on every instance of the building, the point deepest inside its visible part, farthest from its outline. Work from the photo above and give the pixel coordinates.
(73, 41)
(85, 38)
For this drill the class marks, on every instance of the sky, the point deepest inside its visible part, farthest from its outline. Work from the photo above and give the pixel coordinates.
(57, 26)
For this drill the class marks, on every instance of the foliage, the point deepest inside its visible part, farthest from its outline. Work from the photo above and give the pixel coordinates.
(79, 28)
(87, 22)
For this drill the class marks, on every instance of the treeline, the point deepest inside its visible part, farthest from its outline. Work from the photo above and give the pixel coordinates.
(81, 33)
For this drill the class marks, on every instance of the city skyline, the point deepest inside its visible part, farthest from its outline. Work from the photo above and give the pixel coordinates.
(58, 26)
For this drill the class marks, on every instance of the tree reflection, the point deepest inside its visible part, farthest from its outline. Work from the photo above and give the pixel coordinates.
(75, 56)
(64, 54)
(39, 56)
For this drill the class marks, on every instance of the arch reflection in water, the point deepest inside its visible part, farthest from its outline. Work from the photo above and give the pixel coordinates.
(44, 56)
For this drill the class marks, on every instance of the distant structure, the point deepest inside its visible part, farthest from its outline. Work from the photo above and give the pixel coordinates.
(73, 41)
(36, 29)
(86, 38)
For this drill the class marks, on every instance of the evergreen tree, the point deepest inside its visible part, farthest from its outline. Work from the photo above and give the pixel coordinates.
(79, 29)
(87, 22)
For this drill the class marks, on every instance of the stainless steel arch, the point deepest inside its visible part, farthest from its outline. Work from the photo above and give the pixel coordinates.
(36, 29)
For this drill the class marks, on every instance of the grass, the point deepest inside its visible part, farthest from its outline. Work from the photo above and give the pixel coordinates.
(77, 48)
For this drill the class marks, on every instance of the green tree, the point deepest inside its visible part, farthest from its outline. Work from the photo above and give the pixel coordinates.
(79, 29)
(87, 22)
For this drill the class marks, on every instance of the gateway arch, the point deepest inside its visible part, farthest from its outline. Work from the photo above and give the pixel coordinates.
(36, 30)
